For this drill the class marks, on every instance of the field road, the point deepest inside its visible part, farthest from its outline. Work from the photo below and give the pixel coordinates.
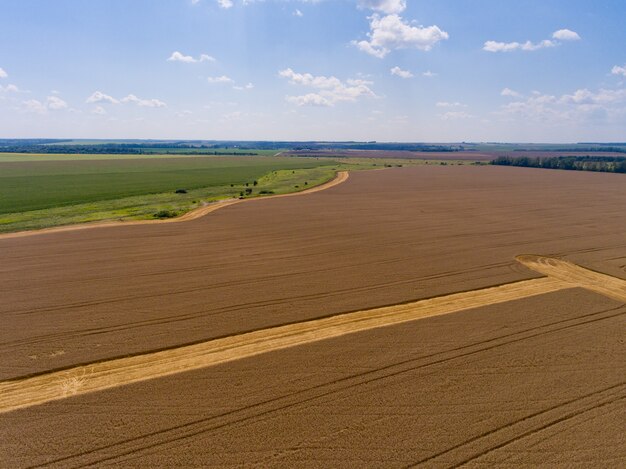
(571, 273)
(108, 374)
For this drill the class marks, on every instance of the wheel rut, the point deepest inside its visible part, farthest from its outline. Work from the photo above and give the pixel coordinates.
(30, 391)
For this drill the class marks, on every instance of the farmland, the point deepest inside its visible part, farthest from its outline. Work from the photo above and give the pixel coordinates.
(46, 190)
(45, 184)
(54, 190)
(534, 377)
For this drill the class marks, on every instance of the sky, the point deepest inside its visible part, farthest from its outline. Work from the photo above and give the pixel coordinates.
(384, 70)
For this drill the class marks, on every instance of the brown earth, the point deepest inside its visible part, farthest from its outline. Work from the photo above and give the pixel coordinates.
(528, 381)
(443, 155)
(535, 382)
(397, 154)
(46, 387)
(546, 154)
(381, 238)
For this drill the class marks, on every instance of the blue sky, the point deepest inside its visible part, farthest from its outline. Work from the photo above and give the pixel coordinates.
(386, 70)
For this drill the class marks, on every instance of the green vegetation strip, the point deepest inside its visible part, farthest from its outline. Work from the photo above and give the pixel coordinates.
(69, 192)
(26, 186)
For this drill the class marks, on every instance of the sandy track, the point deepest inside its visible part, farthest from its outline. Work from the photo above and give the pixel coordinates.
(27, 392)
(20, 393)
(199, 212)
(571, 273)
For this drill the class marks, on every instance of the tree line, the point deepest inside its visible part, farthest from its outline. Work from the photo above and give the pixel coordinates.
(605, 164)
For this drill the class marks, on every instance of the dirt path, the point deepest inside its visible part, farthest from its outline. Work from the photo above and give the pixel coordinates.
(26, 392)
(57, 385)
(199, 212)
(577, 276)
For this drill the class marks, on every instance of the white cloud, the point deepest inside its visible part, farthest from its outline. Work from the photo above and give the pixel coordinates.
(566, 35)
(9, 89)
(222, 79)
(429, 74)
(100, 97)
(231, 116)
(99, 110)
(225, 3)
(447, 104)
(493, 46)
(310, 99)
(195, 2)
(32, 105)
(3, 74)
(619, 70)
(331, 90)
(385, 6)
(131, 98)
(454, 115)
(602, 96)
(561, 34)
(391, 32)
(298, 13)
(509, 92)
(249, 86)
(582, 106)
(52, 103)
(55, 103)
(179, 57)
(401, 73)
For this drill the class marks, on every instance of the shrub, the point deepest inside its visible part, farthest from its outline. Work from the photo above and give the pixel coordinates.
(166, 214)
(181, 191)
(255, 183)
(266, 192)
(248, 191)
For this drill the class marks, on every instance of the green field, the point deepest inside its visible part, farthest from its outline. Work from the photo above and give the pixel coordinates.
(13, 157)
(40, 191)
(28, 185)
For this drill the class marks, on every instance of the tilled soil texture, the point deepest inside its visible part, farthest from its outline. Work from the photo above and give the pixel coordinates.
(534, 382)
(42, 388)
(483, 156)
(381, 238)
(397, 154)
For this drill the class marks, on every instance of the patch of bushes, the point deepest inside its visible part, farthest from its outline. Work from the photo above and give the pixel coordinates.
(181, 191)
(166, 214)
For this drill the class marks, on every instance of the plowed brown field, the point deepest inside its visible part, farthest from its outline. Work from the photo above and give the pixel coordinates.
(525, 381)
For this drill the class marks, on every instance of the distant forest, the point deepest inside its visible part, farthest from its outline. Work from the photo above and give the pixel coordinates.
(603, 164)
(202, 147)
(235, 147)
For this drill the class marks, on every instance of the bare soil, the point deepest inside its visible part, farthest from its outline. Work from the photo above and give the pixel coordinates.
(397, 154)
(535, 381)
(443, 155)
